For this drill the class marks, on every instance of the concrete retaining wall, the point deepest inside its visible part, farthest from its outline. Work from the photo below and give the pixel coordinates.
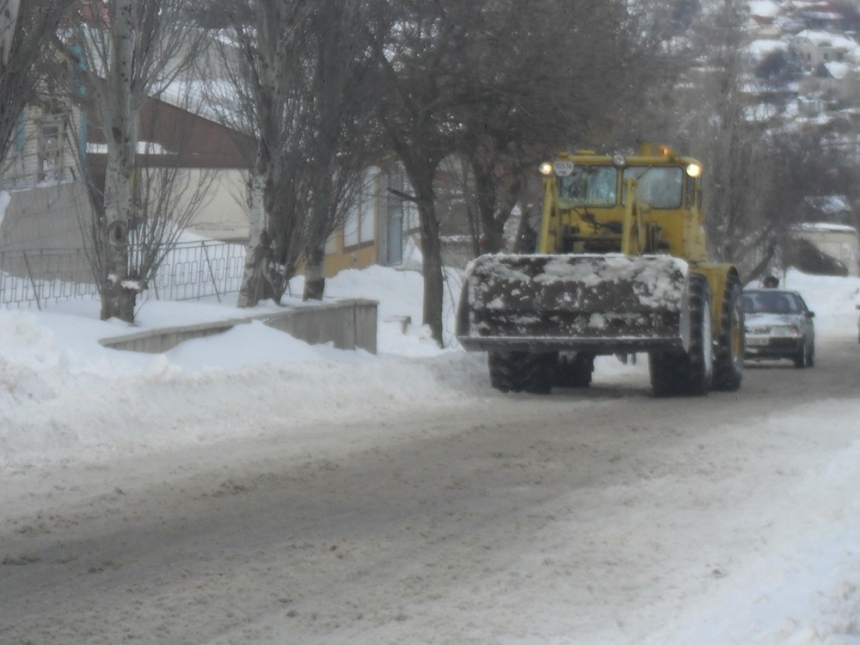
(348, 324)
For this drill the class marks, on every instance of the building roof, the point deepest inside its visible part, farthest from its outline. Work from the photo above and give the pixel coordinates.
(764, 8)
(821, 38)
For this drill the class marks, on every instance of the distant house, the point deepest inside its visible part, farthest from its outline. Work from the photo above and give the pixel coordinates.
(814, 47)
(762, 20)
(832, 82)
(205, 150)
(42, 175)
(382, 225)
(378, 224)
(815, 14)
(45, 148)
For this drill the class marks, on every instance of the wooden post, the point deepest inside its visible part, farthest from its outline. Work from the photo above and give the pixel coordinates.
(32, 282)
(211, 272)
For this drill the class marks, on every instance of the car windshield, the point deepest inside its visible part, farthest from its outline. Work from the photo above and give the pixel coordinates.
(773, 302)
(589, 186)
(659, 187)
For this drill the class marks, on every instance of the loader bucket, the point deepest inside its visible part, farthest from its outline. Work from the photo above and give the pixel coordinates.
(601, 304)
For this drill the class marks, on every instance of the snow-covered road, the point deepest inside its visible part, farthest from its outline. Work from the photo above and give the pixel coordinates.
(601, 517)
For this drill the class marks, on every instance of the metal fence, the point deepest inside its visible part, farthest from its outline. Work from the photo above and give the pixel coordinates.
(190, 271)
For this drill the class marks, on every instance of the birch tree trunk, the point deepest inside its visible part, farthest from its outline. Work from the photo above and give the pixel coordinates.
(254, 285)
(315, 253)
(119, 288)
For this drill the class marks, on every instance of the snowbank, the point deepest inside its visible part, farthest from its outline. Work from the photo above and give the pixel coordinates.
(64, 399)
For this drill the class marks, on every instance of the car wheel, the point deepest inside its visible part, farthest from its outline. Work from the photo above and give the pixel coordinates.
(801, 356)
(810, 358)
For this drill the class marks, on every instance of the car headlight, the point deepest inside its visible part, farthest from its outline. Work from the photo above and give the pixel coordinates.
(785, 331)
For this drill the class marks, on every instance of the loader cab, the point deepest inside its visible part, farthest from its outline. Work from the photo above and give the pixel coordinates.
(587, 209)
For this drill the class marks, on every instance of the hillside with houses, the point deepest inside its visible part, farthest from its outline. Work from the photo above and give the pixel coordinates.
(805, 53)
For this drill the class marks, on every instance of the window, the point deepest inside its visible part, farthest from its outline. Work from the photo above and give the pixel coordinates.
(772, 303)
(659, 187)
(331, 245)
(50, 131)
(360, 226)
(589, 186)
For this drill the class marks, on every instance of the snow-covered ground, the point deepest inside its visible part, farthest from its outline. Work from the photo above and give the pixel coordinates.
(65, 400)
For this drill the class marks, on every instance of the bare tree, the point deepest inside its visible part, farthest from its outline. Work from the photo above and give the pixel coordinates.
(339, 91)
(259, 88)
(131, 50)
(536, 78)
(26, 33)
(167, 198)
(416, 68)
(714, 118)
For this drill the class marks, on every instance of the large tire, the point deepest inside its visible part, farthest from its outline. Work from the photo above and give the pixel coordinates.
(575, 372)
(538, 373)
(731, 340)
(810, 358)
(522, 371)
(688, 373)
(505, 370)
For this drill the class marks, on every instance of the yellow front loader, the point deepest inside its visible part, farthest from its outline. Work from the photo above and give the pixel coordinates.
(621, 268)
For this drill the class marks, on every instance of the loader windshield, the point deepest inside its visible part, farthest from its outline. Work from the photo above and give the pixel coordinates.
(589, 186)
(659, 186)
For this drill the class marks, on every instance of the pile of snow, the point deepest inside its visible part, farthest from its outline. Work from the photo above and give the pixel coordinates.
(833, 299)
(65, 397)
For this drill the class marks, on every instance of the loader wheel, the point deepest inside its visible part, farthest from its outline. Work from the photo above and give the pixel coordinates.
(729, 351)
(505, 370)
(522, 371)
(680, 373)
(538, 373)
(575, 372)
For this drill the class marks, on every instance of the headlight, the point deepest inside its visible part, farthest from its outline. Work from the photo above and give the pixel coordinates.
(546, 169)
(619, 160)
(785, 331)
(694, 170)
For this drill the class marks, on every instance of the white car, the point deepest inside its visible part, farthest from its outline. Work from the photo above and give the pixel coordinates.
(778, 324)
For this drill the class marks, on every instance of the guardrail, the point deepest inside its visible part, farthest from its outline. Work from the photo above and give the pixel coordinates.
(190, 271)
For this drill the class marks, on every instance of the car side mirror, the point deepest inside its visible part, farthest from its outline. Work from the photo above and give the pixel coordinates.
(810, 314)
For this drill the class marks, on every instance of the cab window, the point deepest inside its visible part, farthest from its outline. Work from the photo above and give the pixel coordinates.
(659, 187)
(589, 186)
